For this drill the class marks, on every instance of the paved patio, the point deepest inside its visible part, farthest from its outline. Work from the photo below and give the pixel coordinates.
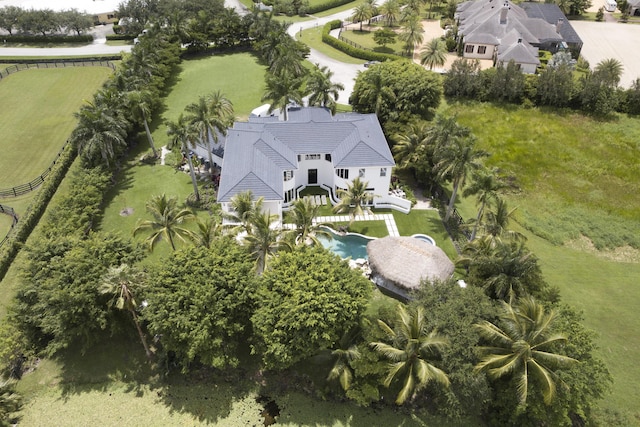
(388, 219)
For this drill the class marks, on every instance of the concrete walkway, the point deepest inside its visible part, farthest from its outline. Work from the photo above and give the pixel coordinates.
(388, 219)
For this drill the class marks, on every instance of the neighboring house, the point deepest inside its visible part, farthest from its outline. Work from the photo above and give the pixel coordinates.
(502, 31)
(276, 159)
(634, 7)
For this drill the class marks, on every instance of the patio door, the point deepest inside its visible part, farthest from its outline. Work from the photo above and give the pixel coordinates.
(313, 176)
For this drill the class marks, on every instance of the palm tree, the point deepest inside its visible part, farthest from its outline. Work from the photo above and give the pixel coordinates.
(505, 270)
(286, 59)
(361, 13)
(354, 199)
(409, 146)
(346, 353)
(434, 54)
(212, 113)
(119, 282)
(323, 92)
(206, 233)
(496, 222)
(391, 12)
(166, 222)
(243, 209)
(281, 90)
(522, 346)
(378, 90)
(264, 240)
(411, 345)
(456, 161)
(485, 186)
(100, 132)
(610, 70)
(412, 34)
(140, 104)
(307, 231)
(183, 134)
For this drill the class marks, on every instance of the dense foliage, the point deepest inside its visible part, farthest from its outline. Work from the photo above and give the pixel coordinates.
(396, 91)
(200, 303)
(308, 299)
(59, 302)
(44, 22)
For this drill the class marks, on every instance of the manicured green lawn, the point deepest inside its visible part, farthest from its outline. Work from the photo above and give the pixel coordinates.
(577, 176)
(239, 76)
(425, 222)
(37, 117)
(365, 38)
(313, 38)
(366, 228)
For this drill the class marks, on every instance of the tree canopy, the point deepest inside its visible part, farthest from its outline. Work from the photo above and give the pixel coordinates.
(415, 91)
(200, 302)
(308, 299)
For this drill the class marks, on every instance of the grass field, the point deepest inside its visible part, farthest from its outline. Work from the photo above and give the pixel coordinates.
(566, 163)
(239, 76)
(37, 117)
(365, 38)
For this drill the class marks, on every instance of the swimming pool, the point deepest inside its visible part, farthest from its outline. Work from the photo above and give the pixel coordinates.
(354, 245)
(347, 245)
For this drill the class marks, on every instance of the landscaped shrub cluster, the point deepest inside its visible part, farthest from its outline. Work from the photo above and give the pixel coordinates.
(39, 204)
(350, 50)
(114, 37)
(596, 93)
(19, 38)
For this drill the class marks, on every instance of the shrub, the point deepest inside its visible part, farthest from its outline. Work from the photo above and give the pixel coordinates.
(47, 39)
(329, 4)
(113, 37)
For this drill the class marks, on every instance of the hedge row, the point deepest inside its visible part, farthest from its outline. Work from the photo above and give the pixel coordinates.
(37, 207)
(120, 37)
(330, 4)
(350, 50)
(47, 39)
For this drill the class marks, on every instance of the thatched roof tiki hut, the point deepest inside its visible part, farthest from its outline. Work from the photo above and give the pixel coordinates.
(400, 264)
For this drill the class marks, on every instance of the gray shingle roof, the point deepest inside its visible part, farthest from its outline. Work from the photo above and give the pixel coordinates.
(480, 22)
(551, 13)
(259, 151)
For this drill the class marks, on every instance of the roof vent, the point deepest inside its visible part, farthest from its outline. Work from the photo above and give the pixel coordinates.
(503, 13)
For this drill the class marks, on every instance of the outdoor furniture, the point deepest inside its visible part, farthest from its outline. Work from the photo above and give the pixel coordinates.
(323, 199)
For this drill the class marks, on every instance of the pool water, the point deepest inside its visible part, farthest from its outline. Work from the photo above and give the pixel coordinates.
(348, 245)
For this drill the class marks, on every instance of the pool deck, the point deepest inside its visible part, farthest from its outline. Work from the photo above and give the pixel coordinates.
(388, 219)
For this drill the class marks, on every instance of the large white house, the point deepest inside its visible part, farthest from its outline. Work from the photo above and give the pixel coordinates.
(277, 159)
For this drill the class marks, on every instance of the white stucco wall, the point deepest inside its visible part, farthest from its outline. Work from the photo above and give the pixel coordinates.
(475, 55)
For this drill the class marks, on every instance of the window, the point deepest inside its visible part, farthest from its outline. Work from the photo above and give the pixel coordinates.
(312, 157)
(288, 196)
(299, 157)
(469, 48)
(383, 171)
(327, 157)
(343, 173)
(482, 49)
(288, 175)
(361, 173)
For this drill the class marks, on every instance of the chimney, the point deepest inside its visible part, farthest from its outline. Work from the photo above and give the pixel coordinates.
(503, 13)
(559, 25)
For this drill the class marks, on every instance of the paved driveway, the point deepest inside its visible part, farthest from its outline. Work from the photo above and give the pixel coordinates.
(604, 40)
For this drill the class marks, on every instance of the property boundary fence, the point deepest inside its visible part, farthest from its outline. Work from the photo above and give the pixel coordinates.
(8, 211)
(60, 63)
(21, 189)
(354, 44)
